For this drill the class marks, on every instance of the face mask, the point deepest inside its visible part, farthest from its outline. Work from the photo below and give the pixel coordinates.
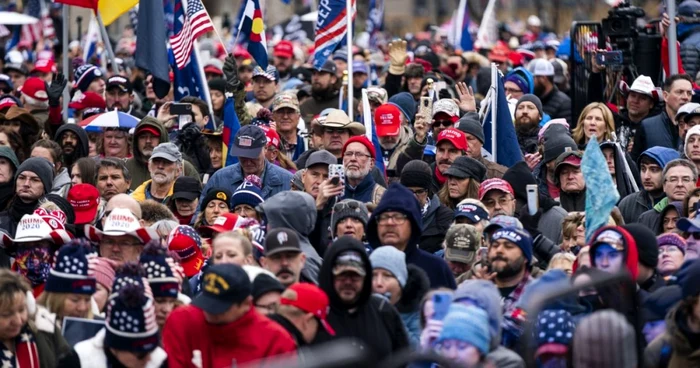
(34, 263)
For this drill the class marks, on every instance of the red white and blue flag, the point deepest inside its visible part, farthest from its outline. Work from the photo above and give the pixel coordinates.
(331, 26)
(253, 28)
(195, 24)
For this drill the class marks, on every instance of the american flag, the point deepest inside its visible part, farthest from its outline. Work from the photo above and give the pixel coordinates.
(196, 23)
(43, 29)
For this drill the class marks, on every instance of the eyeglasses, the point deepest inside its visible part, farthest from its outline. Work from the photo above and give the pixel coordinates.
(676, 179)
(418, 191)
(359, 155)
(397, 218)
(503, 201)
(272, 307)
(445, 123)
(512, 91)
(668, 249)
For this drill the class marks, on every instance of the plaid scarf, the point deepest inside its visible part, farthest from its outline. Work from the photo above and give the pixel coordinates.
(26, 354)
(511, 325)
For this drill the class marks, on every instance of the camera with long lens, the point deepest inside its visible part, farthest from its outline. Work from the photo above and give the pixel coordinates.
(620, 27)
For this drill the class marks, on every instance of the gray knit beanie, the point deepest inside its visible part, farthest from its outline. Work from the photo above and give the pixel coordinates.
(531, 98)
(469, 123)
(348, 208)
(41, 167)
(392, 260)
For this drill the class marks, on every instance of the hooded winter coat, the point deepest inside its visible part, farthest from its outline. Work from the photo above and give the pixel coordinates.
(371, 319)
(652, 218)
(82, 149)
(623, 181)
(436, 220)
(61, 183)
(399, 199)
(138, 164)
(673, 349)
(677, 206)
(296, 211)
(634, 205)
(417, 285)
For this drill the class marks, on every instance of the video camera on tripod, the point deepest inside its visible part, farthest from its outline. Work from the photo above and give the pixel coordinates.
(620, 27)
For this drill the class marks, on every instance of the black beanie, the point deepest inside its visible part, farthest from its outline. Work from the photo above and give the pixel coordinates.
(221, 194)
(531, 98)
(264, 284)
(469, 123)
(555, 145)
(647, 248)
(41, 167)
(519, 176)
(218, 84)
(417, 173)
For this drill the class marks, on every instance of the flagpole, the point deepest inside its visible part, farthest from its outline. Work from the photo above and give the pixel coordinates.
(107, 43)
(200, 69)
(459, 24)
(367, 114)
(349, 13)
(66, 70)
(494, 110)
(214, 27)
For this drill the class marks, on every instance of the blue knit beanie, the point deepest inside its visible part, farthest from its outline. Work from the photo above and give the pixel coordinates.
(485, 295)
(405, 102)
(71, 273)
(247, 193)
(467, 324)
(85, 74)
(554, 327)
(518, 237)
(131, 321)
(392, 260)
(160, 272)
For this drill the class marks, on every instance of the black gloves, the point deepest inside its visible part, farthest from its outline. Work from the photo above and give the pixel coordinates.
(233, 83)
(55, 90)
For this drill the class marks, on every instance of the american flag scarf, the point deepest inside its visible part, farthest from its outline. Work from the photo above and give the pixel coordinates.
(26, 354)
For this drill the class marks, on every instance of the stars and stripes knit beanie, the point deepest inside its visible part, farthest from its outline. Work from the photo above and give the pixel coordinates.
(73, 271)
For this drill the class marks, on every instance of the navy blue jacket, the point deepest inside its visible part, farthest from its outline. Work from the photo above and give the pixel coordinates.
(657, 130)
(363, 192)
(399, 199)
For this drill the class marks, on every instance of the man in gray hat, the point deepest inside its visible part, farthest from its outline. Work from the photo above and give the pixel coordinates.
(315, 177)
(165, 165)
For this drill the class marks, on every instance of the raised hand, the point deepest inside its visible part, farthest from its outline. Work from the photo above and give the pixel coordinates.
(56, 88)
(466, 101)
(397, 57)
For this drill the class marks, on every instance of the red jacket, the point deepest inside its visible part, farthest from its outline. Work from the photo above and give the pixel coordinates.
(250, 338)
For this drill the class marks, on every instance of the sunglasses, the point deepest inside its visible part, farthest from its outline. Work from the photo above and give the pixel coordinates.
(418, 191)
(445, 123)
(695, 236)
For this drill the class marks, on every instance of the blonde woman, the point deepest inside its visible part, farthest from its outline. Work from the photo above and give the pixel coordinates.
(595, 119)
(71, 282)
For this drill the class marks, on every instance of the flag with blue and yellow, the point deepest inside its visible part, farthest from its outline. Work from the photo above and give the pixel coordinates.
(231, 127)
(253, 27)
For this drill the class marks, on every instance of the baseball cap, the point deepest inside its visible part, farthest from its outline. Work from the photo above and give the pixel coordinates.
(147, 128)
(222, 224)
(167, 151)
(187, 187)
(7, 101)
(454, 136)
(249, 142)
(4, 78)
(88, 100)
(349, 261)
(35, 88)
(471, 211)
(85, 199)
(462, 241)
(446, 106)
(571, 158)
(283, 100)
(270, 73)
(377, 95)
(328, 67)
(691, 114)
(494, 183)
(44, 66)
(281, 240)
(611, 237)
(387, 119)
(321, 157)
(500, 222)
(283, 49)
(214, 66)
(541, 68)
(120, 82)
(186, 242)
(223, 285)
(359, 67)
(688, 225)
(685, 110)
(310, 299)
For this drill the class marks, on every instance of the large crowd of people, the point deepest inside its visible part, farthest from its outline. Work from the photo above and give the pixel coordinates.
(168, 248)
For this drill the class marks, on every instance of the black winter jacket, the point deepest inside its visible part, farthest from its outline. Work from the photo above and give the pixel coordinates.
(557, 105)
(657, 130)
(371, 319)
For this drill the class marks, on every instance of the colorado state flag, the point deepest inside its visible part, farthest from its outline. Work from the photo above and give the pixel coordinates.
(253, 27)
